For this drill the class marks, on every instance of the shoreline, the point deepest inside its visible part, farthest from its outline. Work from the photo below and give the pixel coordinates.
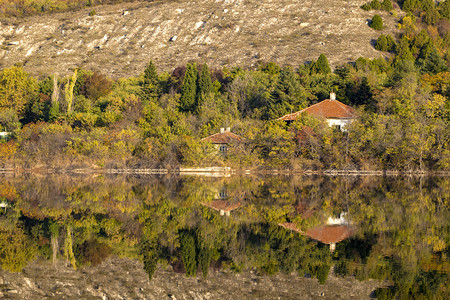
(224, 172)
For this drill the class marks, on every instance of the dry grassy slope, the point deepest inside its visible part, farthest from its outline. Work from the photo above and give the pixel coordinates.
(120, 39)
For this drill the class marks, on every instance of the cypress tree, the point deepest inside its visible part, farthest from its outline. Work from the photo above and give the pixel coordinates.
(204, 84)
(188, 252)
(189, 89)
(151, 86)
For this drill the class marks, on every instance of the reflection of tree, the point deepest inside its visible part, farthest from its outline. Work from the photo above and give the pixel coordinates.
(16, 250)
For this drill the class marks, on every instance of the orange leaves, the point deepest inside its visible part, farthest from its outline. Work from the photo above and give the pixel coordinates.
(7, 150)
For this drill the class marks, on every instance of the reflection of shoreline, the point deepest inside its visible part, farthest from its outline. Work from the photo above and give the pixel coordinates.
(226, 172)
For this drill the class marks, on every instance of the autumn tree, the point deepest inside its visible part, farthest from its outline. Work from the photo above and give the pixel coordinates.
(17, 88)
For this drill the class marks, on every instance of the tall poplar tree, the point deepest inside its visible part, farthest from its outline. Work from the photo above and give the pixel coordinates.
(189, 89)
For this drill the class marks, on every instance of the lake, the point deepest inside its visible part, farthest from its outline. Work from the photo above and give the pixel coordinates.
(184, 237)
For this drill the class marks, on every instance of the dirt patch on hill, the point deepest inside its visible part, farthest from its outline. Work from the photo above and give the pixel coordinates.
(120, 39)
(125, 279)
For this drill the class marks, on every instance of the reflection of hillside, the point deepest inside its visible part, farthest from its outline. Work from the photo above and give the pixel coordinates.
(163, 220)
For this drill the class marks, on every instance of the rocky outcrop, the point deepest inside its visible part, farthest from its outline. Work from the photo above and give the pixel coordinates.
(120, 39)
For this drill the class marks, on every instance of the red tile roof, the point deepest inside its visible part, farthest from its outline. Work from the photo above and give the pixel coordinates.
(326, 234)
(222, 205)
(226, 137)
(326, 109)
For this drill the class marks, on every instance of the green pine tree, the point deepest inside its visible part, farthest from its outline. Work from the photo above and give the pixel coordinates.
(204, 83)
(151, 86)
(189, 89)
(321, 65)
(188, 252)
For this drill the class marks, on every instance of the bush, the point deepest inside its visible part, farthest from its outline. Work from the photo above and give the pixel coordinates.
(377, 22)
(387, 5)
(381, 44)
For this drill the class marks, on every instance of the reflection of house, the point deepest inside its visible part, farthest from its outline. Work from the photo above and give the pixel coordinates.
(4, 135)
(223, 206)
(223, 139)
(336, 113)
(326, 234)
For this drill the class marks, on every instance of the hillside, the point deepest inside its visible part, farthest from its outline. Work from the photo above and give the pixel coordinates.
(120, 39)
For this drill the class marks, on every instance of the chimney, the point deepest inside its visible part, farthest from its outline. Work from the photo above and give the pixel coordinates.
(332, 96)
(222, 130)
(228, 129)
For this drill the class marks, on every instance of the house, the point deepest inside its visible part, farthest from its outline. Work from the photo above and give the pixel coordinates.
(224, 207)
(336, 113)
(223, 139)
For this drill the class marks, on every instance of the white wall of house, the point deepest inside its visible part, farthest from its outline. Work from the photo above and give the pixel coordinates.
(342, 123)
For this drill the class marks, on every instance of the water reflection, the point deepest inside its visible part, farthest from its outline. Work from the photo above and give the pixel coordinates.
(393, 229)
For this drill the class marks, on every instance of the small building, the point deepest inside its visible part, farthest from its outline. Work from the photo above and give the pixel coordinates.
(224, 207)
(223, 139)
(336, 113)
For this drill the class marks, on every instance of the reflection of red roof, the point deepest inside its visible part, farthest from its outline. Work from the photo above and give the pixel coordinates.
(226, 137)
(222, 205)
(329, 234)
(326, 109)
(325, 234)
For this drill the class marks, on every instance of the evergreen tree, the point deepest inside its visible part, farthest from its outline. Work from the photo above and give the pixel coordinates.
(364, 93)
(381, 44)
(403, 51)
(387, 5)
(288, 93)
(189, 89)
(391, 44)
(204, 84)
(434, 63)
(188, 252)
(376, 23)
(321, 65)
(151, 86)
(375, 4)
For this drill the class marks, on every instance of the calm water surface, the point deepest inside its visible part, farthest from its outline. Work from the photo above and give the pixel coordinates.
(394, 229)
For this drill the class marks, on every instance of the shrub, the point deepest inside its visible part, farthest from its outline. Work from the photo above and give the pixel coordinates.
(387, 5)
(377, 22)
(381, 44)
